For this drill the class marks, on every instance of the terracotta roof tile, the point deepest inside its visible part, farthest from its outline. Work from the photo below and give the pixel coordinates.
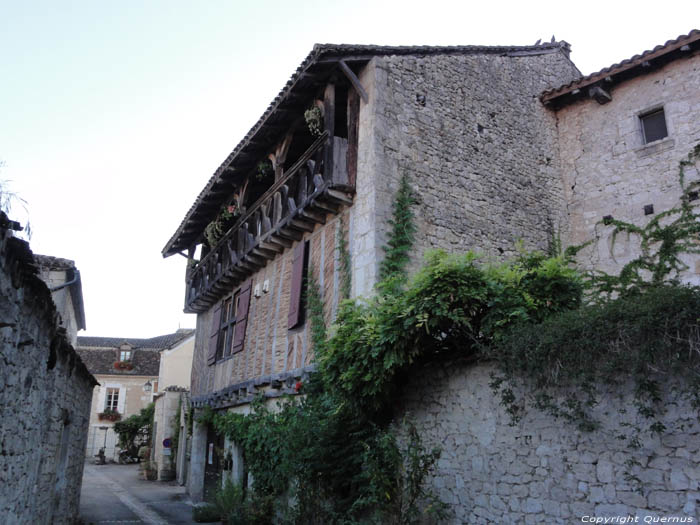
(630, 67)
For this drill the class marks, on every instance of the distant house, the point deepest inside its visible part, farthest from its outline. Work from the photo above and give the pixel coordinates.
(63, 279)
(128, 370)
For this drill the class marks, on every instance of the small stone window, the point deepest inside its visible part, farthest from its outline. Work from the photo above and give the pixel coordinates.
(125, 355)
(653, 125)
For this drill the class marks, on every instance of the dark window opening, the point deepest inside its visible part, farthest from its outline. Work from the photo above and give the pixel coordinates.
(229, 312)
(653, 126)
(341, 112)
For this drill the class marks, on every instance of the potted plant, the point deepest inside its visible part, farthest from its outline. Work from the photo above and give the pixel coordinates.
(123, 365)
(109, 415)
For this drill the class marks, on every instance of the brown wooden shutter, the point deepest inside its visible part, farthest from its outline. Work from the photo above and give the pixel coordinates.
(242, 316)
(295, 315)
(214, 334)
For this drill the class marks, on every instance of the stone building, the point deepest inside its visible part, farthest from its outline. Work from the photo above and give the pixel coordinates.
(496, 153)
(45, 392)
(63, 279)
(128, 372)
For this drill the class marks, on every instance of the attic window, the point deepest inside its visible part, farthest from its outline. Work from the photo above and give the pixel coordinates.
(653, 126)
(125, 355)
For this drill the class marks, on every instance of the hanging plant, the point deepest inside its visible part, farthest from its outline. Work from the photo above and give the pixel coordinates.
(314, 120)
(264, 170)
(220, 225)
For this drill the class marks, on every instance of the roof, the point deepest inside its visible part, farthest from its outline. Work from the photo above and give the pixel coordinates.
(161, 342)
(145, 362)
(650, 60)
(50, 262)
(313, 72)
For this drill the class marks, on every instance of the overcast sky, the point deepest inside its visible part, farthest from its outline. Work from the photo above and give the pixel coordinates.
(113, 115)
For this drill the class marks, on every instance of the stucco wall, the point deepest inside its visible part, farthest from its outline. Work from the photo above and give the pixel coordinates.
(269, 346)
(607, 170)
(132, 399)
(167, 419)
(544, 470)
(176, 365)
(44, 402)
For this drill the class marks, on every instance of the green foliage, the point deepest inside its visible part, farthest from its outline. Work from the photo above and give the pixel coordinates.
(345, 261)
(137, 425)
(264, 170)
(392, 270)
(230, 499)
(217, 228)
(662, 241)
(206, 513)
(645, 338)
(314, 303)
(314, 120)
(453, 304)
(640, 327)
(397, 468)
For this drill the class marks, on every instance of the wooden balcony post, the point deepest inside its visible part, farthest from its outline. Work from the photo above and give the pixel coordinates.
(329, 125)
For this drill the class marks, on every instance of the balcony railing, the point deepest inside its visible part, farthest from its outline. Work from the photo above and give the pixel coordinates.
(317, 183)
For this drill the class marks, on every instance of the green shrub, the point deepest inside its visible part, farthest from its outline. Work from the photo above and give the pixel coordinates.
(206, 513)
(645, 337)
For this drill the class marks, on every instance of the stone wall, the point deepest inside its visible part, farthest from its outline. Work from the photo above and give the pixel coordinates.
(45, 393)
(607, 170)
(478, 147)
(544, 470)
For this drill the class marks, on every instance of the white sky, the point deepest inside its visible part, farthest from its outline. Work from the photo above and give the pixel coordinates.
(113, 115)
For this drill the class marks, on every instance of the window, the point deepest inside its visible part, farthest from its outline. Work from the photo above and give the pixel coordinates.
(653, 125)
(228, 324)
(125, 355)
(112, 399)
(300, 262)
(229, 312)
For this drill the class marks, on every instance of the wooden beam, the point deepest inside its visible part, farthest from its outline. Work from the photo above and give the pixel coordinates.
(352, 77)
(329, 127)
(339, 196)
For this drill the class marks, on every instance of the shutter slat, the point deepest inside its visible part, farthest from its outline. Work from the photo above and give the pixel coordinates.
(242, 316)
(295, 307)
(214, 335)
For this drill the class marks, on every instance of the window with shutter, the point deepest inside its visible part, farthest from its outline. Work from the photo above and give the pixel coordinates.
(214, 335)
(299, 265)
(242, 307)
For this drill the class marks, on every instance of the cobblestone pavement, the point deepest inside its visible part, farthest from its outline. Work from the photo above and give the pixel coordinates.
(116, 494)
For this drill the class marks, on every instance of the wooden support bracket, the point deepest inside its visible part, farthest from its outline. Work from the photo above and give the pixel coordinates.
(352, 77)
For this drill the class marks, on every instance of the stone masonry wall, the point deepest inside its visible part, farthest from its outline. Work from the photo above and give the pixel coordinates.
(45, 393)
(477, 145)
(607, 170)
(544, 470)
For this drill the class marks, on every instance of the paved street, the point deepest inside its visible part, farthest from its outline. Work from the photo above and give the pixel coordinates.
(115, 494)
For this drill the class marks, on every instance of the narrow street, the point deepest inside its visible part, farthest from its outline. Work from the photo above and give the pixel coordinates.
(116, 494)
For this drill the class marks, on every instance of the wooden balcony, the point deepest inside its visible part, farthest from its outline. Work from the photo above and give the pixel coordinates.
(316, 184)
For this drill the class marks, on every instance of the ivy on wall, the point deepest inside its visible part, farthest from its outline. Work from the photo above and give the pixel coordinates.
(334, 455)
